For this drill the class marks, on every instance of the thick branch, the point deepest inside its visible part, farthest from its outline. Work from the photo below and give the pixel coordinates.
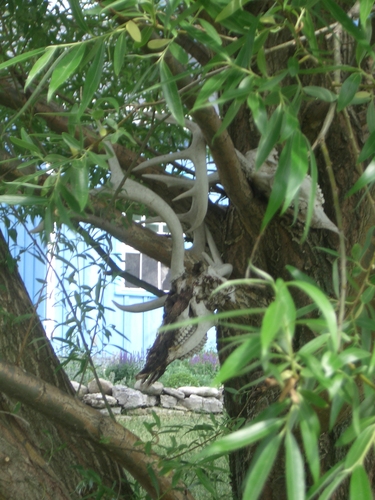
(90, 424)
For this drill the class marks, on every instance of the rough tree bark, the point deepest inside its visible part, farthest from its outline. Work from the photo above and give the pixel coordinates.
(38, 458)
(50, 442)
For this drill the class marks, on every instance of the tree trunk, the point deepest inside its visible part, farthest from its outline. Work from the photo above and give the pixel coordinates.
(280, 246)
(38, 458)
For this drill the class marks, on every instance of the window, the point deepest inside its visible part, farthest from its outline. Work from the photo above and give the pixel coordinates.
(143, 267)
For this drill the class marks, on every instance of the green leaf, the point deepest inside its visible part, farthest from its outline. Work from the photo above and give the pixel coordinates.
(20, 58)
(133, 31)
(270, 137)
(30, 146)
(230, 9)
(179, 53)
(314, 345)
(259, 112)
(41, 63)
(270, 324)
(158, 44)
(279, 187)
(18, 199)
(240, 439)
(348, 91)
(119, 53)
(370, 117)
(171, 94)
(261, 466)
(238, 359)
(331, 488)
(297, 168)
(72, 142)
(320, 93)
(368, 148)
(293, 66)
(329, 476)
(78, 15)
(210, 87)
(360, 447)
(347, 23)
(68, 197)
(295, 472)
(324, 305)
(79, 177)
(360, 487)
(65, 68)
(93, 77)
(310, 430)
(366, 178)
(205, 481)
(211, 31)
(365, 8)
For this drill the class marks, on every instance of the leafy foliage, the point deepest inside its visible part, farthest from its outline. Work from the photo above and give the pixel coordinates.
(97, 75)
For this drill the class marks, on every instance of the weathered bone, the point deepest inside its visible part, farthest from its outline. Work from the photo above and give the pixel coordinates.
(196, 153)
(150, 305)
(264, 177)
(134, 191)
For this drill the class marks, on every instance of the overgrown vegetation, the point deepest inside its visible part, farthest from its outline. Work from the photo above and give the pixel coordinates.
(200, 370)
(266, 108)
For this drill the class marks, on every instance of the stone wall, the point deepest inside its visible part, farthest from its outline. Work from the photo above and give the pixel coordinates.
(124, 400)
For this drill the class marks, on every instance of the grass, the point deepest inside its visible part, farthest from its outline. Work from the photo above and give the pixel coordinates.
(177, 437)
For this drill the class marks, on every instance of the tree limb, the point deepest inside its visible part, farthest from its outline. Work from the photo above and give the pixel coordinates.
(88, 423)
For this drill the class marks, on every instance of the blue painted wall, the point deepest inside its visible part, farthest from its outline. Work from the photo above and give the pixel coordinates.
(134, 332)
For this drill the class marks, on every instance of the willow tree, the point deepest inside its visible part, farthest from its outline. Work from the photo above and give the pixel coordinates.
(246, 127)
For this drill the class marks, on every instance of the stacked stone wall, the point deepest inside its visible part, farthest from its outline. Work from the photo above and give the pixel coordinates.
(125, 400)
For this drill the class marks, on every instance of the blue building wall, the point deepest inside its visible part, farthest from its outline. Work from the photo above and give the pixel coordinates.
(134, 332)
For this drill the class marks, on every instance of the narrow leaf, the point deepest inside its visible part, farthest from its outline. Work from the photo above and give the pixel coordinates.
(20, 58)
(368, 148)
(78, 15)
(279, 187)
(41, 63)
(17, 199)
(360, 487)
(366, 178)
(348, 91)
(65, 68)
(80, 182)
(171, 94)
(320, 93)
(270, 137)
(119, 53)
(230, 9)
(324, 305)
(261, 466)
(158, 44)
(92, 79)
(298, 167)
(360, 447)
(241, 438)
(295, 473)
(25, 145)
(238, 359)
(347, 23)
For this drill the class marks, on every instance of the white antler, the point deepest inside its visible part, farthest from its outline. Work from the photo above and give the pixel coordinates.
(196, 153)
(134, 191)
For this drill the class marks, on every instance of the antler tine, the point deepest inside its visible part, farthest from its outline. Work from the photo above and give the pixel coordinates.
(196, 153)
(150, 305)
(141, 194)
